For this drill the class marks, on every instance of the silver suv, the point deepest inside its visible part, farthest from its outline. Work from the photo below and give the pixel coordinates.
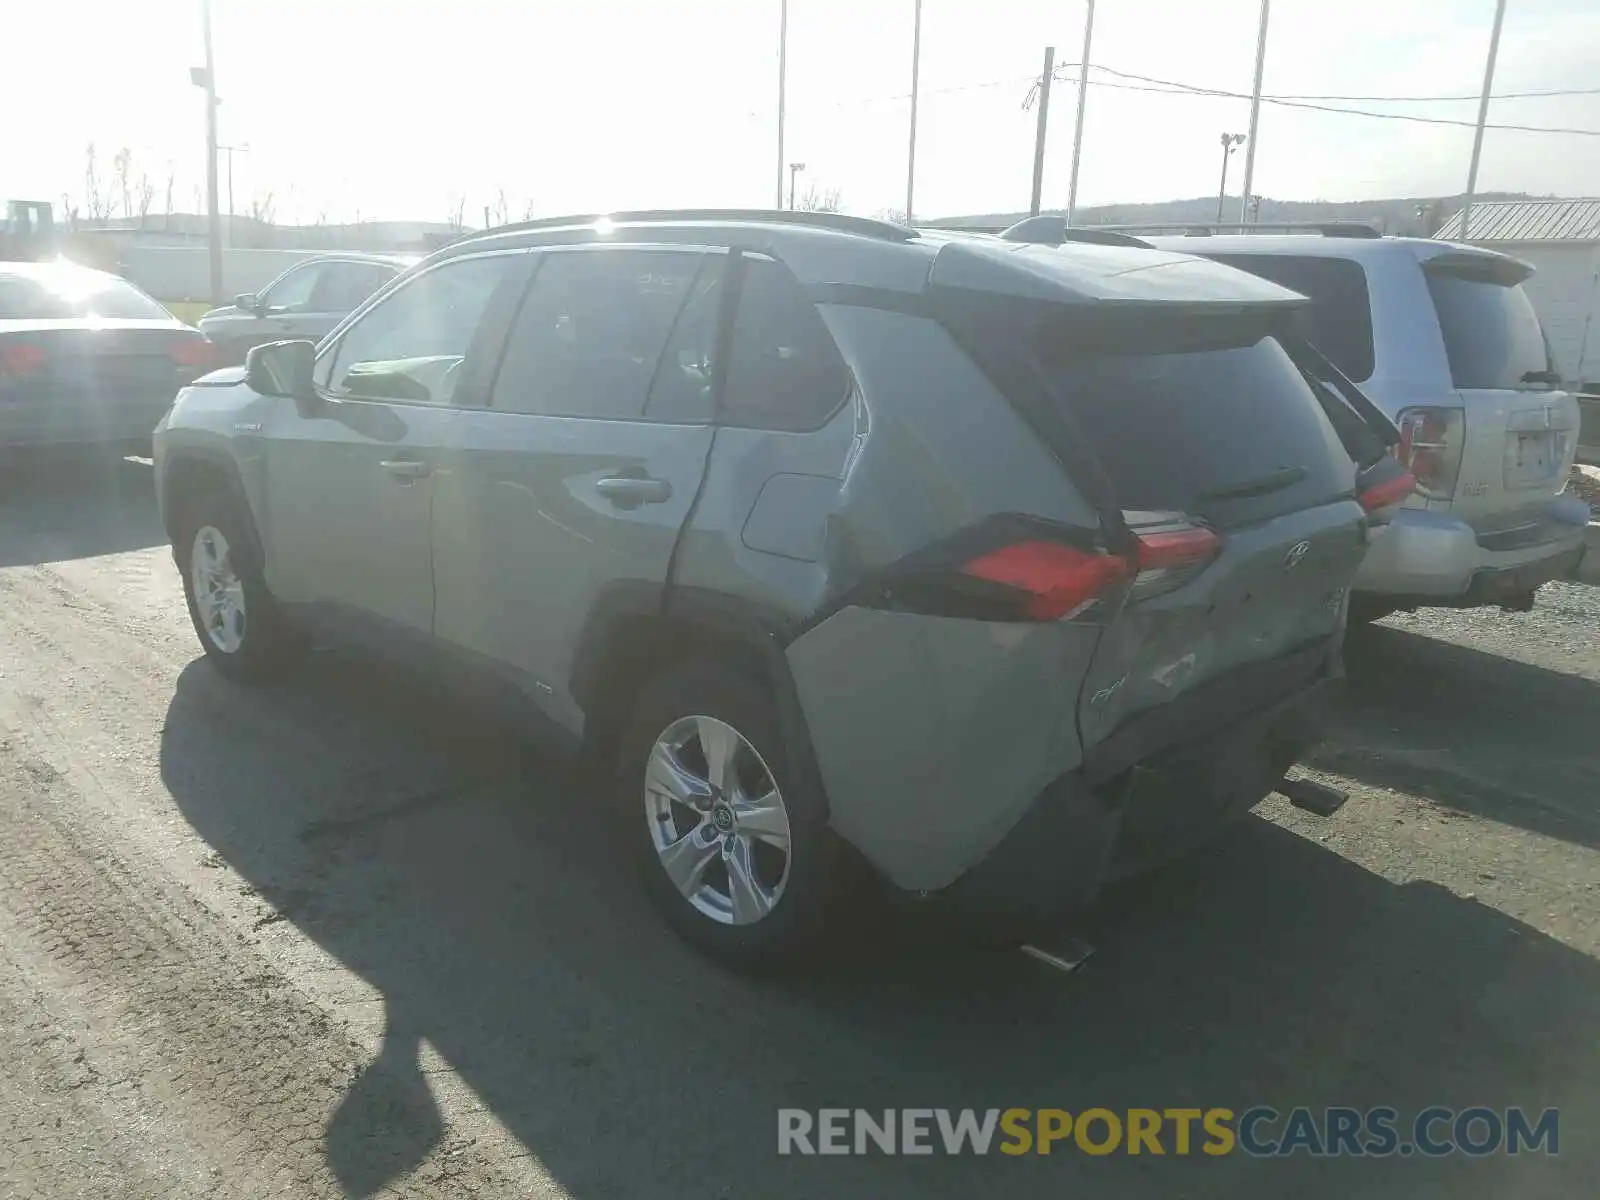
(1445, 341)
(998, 569)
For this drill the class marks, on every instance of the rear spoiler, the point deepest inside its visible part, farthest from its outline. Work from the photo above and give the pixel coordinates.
(1482, 266)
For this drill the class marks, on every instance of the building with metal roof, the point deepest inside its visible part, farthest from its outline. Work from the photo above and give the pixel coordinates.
(1561, 240)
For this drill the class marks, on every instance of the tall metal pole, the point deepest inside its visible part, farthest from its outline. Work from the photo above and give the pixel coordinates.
(1255, 116)
(1083, 97)
(783, 80)
(213, 217)
(1483, 116)
(911, 149)
(1038, 137)
(1229, 141)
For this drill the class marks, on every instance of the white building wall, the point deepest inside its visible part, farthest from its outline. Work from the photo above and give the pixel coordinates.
(1566, 292)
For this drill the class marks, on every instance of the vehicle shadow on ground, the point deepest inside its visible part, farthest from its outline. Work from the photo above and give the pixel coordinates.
(62, 507)
(1473, 731)
(477, 887)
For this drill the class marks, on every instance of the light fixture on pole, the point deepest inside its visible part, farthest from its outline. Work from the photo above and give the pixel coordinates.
(1229, 142)
(794, 169)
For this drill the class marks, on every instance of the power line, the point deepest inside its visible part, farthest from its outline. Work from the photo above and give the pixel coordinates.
(1170, 87)
(1356, 99)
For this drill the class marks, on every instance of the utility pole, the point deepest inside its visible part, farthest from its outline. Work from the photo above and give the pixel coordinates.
(1255, 115)
(1083, 98)
(911, 151)
(794, 169)
(206, 77)
(1483, 116)
(230, 151)
(1038, 137)
(783, 73)
(1229, 141)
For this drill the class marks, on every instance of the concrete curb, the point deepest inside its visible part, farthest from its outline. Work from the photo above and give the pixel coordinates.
(1589, 566)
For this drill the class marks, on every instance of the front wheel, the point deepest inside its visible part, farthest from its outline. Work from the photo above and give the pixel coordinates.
(239, 624)
(732, 849)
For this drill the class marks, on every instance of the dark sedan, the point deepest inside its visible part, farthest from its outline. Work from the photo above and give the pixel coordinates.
(87, 358)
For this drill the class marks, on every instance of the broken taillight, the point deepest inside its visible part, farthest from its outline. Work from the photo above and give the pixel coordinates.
(1172, 549)
(1048, 580)
(1431, 441)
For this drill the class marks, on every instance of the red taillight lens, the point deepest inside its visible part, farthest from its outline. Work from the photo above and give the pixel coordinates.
(1172, 551)
(1390, 491)
(1431, 440)
(1052, 580)
(192, 352)
(18, 359)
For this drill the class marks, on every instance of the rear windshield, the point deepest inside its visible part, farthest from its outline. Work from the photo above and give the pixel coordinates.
(1339, 321)
(1491, 333)
(69, 294)
(1233, 434)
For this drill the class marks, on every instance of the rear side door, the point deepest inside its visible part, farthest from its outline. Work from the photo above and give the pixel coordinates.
(1504, 453)
(351, 480)
(560, 490)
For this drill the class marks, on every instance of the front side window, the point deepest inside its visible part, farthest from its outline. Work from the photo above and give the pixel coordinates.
(411, 346)
(292, 292)
(342, 286)
(593, 330)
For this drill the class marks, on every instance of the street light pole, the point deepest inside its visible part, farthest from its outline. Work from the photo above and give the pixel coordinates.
(207, 78)
(1483, 116)
(1255, 115)
(911, 151)
(230, 151)
(1229, 141)
(794, 169)
(1083, 98)
(783, 73)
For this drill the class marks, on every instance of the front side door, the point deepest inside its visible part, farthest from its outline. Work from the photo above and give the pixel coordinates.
(571, 484)
(350, 481)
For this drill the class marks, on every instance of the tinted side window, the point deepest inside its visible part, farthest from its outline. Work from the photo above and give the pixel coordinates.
(1340, 320)
(1492, 336)
(343, 286)
(784, 371)
(411, 346)
(681, 390)
(592, 330)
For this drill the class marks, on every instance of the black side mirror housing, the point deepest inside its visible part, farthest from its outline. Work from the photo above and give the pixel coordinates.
(283, 369)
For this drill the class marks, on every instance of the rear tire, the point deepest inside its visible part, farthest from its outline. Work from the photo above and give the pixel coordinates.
(240, 626)
(733, 851)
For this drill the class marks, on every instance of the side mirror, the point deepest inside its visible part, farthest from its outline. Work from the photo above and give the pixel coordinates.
(282, 369)
(246, 301)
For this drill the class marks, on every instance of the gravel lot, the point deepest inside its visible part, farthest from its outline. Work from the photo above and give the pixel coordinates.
(341, 937)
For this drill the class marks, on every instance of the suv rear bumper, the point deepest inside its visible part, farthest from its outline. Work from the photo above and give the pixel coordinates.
(1435, 558)
(1077, 837)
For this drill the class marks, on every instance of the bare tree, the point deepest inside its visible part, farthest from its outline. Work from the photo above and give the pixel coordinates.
(528, 211)
(122, 165)
(144, 193)
(458, 214)
(896, 216)
(94, 189)
(500, 210)
(172, 181)
(262, 208)
(819, 199)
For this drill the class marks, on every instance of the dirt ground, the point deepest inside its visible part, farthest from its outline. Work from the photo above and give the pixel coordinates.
(342, 937)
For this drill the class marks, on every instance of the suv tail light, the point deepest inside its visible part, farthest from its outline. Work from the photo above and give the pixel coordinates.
(1431, 441)
(1172, 550)
(1048, 580)
(192, 352)
(20, 359)
(1395, 484)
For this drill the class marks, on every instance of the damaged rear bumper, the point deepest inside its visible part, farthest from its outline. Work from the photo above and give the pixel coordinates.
(1124, 811)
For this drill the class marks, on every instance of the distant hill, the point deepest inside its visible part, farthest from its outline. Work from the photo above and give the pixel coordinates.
(1405, 214)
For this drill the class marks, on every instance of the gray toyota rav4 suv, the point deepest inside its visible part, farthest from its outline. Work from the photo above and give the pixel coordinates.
(997, 569)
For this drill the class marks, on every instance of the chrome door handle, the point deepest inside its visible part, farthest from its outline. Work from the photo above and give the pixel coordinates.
(627, 491)
(407, 469)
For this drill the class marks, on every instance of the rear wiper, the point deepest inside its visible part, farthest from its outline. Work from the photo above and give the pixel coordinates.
(1541, 377)
(1264, 485)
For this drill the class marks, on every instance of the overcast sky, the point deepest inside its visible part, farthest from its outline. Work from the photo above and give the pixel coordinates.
(400, 108)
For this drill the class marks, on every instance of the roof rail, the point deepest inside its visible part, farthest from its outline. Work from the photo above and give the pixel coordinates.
(840, 222)
(1345, 229)
(1048, 229)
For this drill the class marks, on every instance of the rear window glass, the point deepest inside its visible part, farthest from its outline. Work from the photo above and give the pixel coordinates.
(69, 294)
(1339, 321)
(1491, 333)
(1232, 434)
